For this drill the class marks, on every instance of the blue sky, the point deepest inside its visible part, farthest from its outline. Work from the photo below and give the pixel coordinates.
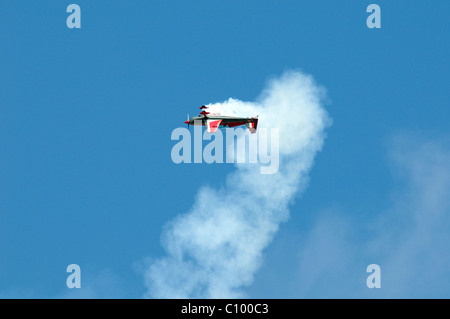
(86, 117)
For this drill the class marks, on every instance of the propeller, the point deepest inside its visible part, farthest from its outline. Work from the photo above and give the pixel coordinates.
(188, 121)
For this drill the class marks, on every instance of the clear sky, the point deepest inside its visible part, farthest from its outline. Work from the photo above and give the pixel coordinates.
(86, 117)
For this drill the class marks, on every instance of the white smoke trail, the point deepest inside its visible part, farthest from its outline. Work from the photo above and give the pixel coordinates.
(215, 249)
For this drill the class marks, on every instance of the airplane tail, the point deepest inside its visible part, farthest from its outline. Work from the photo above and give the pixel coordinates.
(252, 125)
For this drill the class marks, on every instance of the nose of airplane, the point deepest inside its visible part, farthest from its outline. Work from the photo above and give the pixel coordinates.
(187, 122)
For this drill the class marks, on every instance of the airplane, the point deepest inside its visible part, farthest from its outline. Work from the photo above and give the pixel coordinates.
(214, 121)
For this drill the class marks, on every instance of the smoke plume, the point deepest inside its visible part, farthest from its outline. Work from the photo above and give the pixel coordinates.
(214, 249)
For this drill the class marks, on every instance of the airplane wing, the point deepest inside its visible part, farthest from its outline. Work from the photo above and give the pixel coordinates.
(212, 125)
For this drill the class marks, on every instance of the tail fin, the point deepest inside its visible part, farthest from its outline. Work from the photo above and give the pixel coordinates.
(252, 125)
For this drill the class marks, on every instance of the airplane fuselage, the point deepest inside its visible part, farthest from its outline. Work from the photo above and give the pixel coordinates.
(214, 121)
(201, 120)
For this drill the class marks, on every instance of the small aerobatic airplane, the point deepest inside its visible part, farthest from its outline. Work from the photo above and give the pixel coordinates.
(214, 121)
